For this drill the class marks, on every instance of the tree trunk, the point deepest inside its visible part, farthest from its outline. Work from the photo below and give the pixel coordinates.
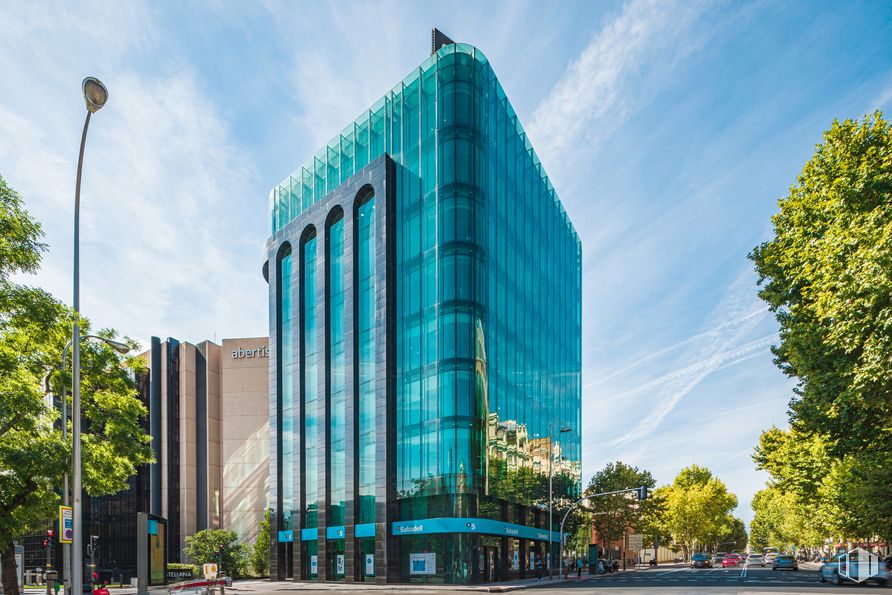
(10, 572)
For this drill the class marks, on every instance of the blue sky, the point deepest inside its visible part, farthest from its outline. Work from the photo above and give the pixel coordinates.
(670, 129)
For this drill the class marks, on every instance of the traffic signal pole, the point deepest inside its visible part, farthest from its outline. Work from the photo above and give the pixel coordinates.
(641, 491)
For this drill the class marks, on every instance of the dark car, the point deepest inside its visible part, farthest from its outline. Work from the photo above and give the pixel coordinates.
(784, 562)
(701, 561)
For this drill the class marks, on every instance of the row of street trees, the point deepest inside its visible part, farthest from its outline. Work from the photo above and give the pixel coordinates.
(827, 276)
(692, 513)
(34, 329)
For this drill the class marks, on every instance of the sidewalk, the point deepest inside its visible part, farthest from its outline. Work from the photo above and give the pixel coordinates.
(267, 586)
(503, 587)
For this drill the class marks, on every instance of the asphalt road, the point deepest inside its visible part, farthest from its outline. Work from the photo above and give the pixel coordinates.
(716, 580)
(674, 580)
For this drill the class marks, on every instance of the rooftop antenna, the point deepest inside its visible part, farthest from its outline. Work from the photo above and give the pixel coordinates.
(438, 40)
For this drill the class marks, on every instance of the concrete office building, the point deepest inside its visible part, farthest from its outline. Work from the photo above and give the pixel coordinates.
(208, 418)
(425, 341)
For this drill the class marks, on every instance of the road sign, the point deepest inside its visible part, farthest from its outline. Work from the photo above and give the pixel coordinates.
(66, 524)
(636, 541)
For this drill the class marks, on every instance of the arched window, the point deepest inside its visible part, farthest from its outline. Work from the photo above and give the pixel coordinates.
(364, 356)
(335, 383)
(309, 395)
(285, 388)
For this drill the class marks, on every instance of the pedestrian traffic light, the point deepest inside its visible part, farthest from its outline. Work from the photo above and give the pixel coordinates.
(642, 493)
(45, 543)
(50, 534)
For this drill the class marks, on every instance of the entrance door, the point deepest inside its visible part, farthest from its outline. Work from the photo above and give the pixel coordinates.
(289, 560)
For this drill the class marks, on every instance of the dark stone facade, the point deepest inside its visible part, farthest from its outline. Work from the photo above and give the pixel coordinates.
(378, 177)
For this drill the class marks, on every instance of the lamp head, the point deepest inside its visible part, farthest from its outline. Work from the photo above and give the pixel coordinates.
(118, 346)
(95, 94)
(566, 429)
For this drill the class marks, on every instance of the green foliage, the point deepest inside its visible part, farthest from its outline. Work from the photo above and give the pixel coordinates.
(612, 515)
(261, 551)
(734, 536)
(204, 547)
(34, 328)
(697, 509)
(177, 566)
(826, 275)
(20, 235)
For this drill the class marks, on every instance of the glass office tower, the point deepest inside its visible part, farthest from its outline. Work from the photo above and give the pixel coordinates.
(426, 339)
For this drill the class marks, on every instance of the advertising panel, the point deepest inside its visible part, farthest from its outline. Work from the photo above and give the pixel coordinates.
(157, 541)
(425, 563)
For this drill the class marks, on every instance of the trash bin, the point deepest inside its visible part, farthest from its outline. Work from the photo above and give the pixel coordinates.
(51, 578)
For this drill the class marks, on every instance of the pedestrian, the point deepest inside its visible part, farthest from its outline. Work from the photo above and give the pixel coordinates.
(539, 567)
(578, 567)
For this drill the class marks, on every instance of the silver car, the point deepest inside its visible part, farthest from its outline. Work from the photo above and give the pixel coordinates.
(830, 570)
(754, 559)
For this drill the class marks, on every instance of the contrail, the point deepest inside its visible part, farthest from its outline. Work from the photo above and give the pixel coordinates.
(699, 370)
(646, 358)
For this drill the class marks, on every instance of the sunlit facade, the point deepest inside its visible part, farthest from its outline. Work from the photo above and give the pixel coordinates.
(425, 329)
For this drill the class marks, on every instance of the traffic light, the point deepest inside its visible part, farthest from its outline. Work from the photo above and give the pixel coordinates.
(642, 493)
(45, 543)
(50, 534)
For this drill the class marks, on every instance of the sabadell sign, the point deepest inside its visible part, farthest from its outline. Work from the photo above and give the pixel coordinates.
(239, 353)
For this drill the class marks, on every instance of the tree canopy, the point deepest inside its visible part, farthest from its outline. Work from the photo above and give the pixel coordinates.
(698, 509)
(212, 545)
(827, 276)
(612, 515)
(34, 329)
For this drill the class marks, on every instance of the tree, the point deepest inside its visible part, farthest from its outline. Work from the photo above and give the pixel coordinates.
(612, 515)
(698, 506)
(205, 546)
(733, 535)
(261, 551)
(652, 525)
(826, 276)
(34, 327)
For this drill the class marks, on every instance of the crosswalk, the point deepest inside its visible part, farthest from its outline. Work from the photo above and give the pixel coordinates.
(714, 576)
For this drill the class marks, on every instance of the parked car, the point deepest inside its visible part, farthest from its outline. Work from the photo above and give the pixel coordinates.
(830, 570)
(784, 562)
(731, 560)
(755, 559)
(699, 560)
(719, 556)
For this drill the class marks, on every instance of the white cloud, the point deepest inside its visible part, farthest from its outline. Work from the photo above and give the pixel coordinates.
(621, 64)
(172, 223)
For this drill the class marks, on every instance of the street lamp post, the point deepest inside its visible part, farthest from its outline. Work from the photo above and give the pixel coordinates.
(564, 430)
(66, 548)
(95, 96)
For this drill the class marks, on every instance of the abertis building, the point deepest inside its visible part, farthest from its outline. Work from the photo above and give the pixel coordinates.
(424, 286)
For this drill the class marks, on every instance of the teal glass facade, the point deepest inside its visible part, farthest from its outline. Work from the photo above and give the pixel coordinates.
(310, 404)
(366, 360)
(471, 349)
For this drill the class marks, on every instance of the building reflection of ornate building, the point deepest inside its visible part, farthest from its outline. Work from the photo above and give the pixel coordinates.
(510, 442)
